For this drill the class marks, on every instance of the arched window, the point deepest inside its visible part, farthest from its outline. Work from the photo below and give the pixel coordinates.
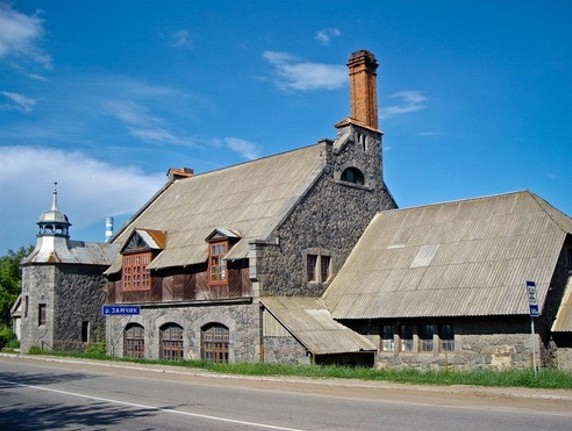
(214, 342)
(171, 342)
(134, 341)
(353, 175)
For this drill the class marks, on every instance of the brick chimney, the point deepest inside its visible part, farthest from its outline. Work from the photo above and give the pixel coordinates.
(363, 88)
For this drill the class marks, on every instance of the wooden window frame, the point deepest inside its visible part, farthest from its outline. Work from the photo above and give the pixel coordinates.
(135, 274)
(318, 265)
(215, 341)
(134, 341)
(171, 344)
(217, 268)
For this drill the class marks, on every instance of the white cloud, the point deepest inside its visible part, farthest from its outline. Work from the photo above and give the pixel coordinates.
(410, 101)
(324, 36)
(20, 36)
(247, 149)
(181, 39)
(89, 190)
(19, 102)
(143, 125)
(291, 73)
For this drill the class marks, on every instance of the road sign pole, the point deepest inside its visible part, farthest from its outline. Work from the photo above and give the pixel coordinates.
(533, 341)
(534, 312)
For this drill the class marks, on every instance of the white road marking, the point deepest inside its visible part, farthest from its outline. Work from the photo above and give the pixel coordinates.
(142, 406)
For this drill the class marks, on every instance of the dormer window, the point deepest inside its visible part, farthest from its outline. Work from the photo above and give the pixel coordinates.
(217, 263)
(353, 175)
(141, 248)
(219, 242)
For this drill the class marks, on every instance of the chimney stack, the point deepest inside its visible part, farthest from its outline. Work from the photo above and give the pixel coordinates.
(363, 88)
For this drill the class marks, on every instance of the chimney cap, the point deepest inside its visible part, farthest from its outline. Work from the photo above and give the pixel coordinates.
(179, 173)
(363, 56)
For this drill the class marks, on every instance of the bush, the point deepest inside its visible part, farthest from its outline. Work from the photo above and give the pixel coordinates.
(7, 337)
(96, 350)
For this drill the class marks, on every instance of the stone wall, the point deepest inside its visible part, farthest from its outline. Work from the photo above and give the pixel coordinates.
(37, 288)
(241, 319)
(485, 343)
(284, 350)
(78, 298)
(331, 216)
(72, 294)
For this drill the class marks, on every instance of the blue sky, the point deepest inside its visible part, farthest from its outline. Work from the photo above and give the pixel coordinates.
(105, 96)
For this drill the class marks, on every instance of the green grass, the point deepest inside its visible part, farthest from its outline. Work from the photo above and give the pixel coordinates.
(547, 378)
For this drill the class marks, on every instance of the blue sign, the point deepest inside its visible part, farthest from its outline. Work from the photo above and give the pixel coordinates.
(532, 301)
(120, 310)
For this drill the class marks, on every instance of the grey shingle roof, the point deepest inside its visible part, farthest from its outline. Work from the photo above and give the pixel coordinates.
(250, 199)
(311, 323)
(462, 258)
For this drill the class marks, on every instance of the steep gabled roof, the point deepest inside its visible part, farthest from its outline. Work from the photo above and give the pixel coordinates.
(308, 320)
(463, 258)
(251, 198)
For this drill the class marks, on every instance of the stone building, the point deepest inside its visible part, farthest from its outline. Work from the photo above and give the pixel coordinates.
(446, 285)
(60, 304)
(206, 251)
(303, 257)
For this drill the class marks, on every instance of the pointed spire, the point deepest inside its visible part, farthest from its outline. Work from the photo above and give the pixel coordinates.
(55, 197)
(54, 222)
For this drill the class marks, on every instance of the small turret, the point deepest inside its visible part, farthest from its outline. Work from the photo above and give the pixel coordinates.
(52, 243)
(54, 222)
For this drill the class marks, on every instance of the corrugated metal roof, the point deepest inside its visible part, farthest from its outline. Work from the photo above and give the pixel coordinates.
(250, 198)
(59, 250)
(310, 322)
(462, 258)
(563, 322)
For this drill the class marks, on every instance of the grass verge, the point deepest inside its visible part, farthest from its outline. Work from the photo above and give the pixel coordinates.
(546, 379)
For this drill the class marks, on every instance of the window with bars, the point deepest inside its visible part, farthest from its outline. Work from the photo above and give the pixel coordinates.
(134, 272)
(217, 264)
(171, 342)
(214, 343)
(134, 341)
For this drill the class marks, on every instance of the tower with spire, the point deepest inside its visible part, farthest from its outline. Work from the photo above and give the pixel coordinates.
(61, 298)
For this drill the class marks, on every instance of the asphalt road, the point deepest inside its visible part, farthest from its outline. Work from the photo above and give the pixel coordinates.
(53, 394)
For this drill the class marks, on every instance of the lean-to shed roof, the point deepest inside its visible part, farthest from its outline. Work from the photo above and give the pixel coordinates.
(463, 258)
(250, 199)
(563, 321)
(312, 325)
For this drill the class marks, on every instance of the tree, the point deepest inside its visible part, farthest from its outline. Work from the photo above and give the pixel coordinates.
(10, 281)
